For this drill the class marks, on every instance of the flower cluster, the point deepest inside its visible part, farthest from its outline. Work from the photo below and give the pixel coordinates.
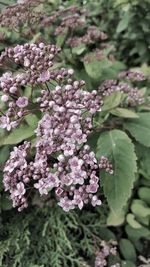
(93, 35)
(35, 60)
(50, 20)
(17, 174)
(64, 21)
(74, 177)
(133, 94)
(132, 75)
(63, 161)
(106, 249)
(71, 22)
(20, 14)
(97, 55)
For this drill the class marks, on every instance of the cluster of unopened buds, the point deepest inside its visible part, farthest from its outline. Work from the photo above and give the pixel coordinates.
(134, 96)
(62, 162)
(97, 55)
(93, 34)
(69, 21)
(20, 14)
(64, 21)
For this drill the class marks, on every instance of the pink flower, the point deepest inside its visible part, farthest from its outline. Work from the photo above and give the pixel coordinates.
(26, 62)
(95, 201)
(5, 123)
(4, 98)
(20, 191)
(22, 102)
(75, 163)
(44, 76)
(92, 188)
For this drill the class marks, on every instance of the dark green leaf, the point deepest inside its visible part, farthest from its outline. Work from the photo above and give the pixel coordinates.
(127, 249)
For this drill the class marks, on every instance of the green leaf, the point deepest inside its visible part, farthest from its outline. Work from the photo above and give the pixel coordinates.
(117, 146)
(141, 47)
(132, 221)
(144, 194)
(1, 182)
(27, 91)
(18, 135)
(123, 24)
(79, 49)
(106, 234)
(94, 68)
(143, 220)
(4, 154)
(142, 91)
(127, 249)
(92, 140)
(35, 38)
(32, 120)
(61, 38)
(124, 113)
(140, 128)
(127, 264)
(116, 219)
(135, 234)
(6, 203)
(145, 182)
(139, 208)
(143, 154)
(112, 101)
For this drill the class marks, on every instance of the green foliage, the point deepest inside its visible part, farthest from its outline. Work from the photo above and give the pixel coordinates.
(110, 102)
(95, 68)
(18, 135)
(132, 33)
(144, 194)
(127, 24)
(140, 128)
(124, 113)
(143, 154)
(117, 146)
(49, 237)
(127, 249)
(115, 219)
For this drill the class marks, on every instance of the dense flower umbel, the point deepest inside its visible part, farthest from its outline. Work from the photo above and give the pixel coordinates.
(133, 95)
(19, 15)
(69, 21)
(35, 60)
(17, 174)
(93, 35)
(62, 162)
(133, 75)
(74, 177)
